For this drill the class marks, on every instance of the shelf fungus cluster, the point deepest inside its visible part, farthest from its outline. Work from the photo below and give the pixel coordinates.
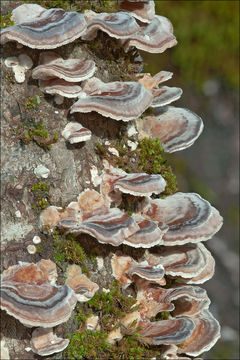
(30, 294)
(173, 311)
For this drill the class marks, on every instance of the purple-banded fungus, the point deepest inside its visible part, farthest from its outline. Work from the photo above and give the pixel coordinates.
(26, 12)
(148, 235)
(112, 227)
(204, 336)
(92, 203)
(156, 37)
(141, 10)
(169, 352)
(165, 95)
(117, 100)
(151, 82)
(51, 65)
(60, 87)
(187, 261)
(119, 25)
(48, 30)
(177, 128)
(173, 331)
(28, 295)
(74, 132)
(83, 287)
(44, 342)
(190, 218)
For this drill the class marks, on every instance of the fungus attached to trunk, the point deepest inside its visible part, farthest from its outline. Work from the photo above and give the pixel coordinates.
(44, 342)
(74, 132)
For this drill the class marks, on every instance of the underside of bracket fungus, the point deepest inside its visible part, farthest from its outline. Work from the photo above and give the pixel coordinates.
(28, 295)
(74, 132)
(117, 100)
(81, 285)
(119, 25)
(190, 218)
(60, 87)
(51, 65)
(44, 342)
(155, 37)
(141, 10)
(177, 128)
(49, 29)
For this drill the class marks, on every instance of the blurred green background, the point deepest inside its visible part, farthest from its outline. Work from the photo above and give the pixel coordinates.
(205, 64)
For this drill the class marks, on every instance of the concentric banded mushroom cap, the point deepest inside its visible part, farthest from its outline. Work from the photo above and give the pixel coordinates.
(165, 95)
(190, 218)
(117, 100)
(119, 25)
(74, 132)
(44, 342)
(147, 236)
(26, 13)
(113, 227)
(177, 128)
(141, 10)
(60, 87)
(156, 37)
(188, 261)
(173, 331)
(204, 336)
(50, 29)
(27, 294)
(52, 65)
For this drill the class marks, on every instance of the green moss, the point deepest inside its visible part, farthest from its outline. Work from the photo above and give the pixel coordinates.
(33, 102)
(6, 20)
(41, 195)
(36, 131)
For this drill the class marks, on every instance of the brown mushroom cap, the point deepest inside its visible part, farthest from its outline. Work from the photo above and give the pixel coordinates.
(52, 65)
(204, 336)
(156, 37)
(151, 82)
(117, 100)
(27, 294)
(173, 331)
(44, 342)
(119, 25)
(141, 10)
(50, 29)
(190, 218)
(177, 128)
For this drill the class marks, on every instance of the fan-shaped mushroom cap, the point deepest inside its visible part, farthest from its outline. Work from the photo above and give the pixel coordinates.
(117, 100)
(44, 342)
(52, 65)
(141, 10)
(204, 336)
(60, 87)
(81, 285)
(27, 294)
(92, 203)
(147, 236)
(169, 352)
(165, 95)
(49, 218)
(140, 184)
(190, 218)
(119, 25)
(187, 261)
(26, 13)
(156, 37)
(113, 227)
(173, 331)
(177, 128)
(50, 29)
(74, 132)
(125, 267)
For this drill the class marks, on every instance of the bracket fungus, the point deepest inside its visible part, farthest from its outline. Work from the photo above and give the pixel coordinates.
(141, 10)
(189, 217)
(117, 100)
(44, 342)
(51, 65)
(74, 132)
(29, 294)
(119, 25)
(48, 29)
